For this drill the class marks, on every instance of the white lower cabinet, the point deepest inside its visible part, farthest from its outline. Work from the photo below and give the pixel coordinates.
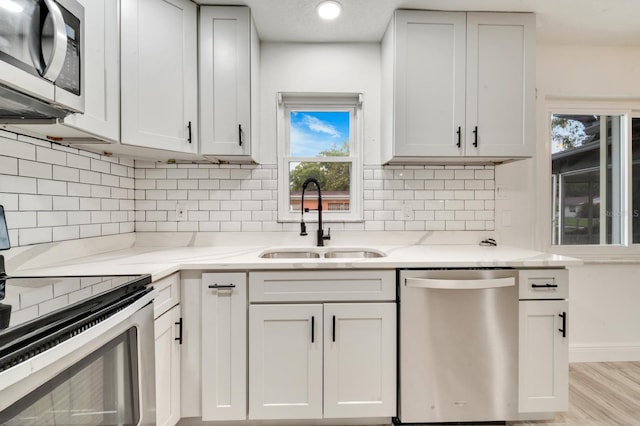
(167, 346)
(322, 360)
(285, 361)
(359, 360)
(224, 346)
(544, 366)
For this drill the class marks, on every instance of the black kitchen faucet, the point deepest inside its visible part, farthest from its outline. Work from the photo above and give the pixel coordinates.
(303, 228)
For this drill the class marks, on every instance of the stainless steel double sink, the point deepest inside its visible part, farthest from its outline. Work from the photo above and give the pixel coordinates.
(320, 253)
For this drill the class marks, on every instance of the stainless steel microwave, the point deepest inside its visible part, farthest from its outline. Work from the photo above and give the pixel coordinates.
(41, 53)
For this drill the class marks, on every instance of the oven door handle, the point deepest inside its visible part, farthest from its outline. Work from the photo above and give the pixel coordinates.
(460, 284)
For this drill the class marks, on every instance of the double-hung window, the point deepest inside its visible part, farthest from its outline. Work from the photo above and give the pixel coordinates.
(595, 175)
(319, 136)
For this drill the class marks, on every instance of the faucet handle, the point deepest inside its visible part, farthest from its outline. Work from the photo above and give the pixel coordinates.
(328, 236)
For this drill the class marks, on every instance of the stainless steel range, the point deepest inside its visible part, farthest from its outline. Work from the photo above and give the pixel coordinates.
(84, 362)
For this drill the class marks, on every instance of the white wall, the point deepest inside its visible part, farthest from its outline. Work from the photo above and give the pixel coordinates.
(321, 67)
(604, 298)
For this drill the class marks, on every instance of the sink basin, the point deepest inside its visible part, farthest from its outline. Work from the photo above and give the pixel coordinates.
(355, 253)
(327, 253)
(290, 254)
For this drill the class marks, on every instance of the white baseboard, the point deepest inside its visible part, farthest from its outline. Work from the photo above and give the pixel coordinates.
(604, 352)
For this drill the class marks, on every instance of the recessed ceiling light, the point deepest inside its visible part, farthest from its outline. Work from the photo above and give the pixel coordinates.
(329, 9)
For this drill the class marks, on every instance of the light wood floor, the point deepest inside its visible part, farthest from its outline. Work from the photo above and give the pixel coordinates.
(600, 394)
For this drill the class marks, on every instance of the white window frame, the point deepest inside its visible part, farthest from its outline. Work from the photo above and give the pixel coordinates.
(351, 102)
(627, 109)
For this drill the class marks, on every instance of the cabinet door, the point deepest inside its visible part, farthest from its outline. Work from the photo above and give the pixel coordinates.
(101, 83)
(544, 367)
(360, 360)
(429, 83)
(159, 74)
(167, 368)
(224, 346)
(225, 80)
(285, 362)
(500, 84)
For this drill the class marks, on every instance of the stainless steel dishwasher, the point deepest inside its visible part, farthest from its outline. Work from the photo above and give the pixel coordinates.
(458, 345)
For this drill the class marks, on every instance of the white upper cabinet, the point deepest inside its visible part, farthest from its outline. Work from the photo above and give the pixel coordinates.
(159, 74)
(430, 82)
(500, 84)
(458, 85)
(229, 56)
(101, 117)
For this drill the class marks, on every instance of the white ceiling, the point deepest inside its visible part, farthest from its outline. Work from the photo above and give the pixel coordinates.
(600, 22)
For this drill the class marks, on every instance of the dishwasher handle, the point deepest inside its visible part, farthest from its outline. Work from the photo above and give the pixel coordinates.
(460, 284)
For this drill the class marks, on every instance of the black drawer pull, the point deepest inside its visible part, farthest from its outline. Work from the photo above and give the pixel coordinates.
(189, 129)
(459, 144)
(544, 285)
(222, 286)
(334, 329)
(563, 330)
(240, 134)
(179, 338)
(475, 137)
(313, 329)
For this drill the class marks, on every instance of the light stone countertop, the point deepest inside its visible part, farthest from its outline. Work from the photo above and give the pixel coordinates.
(161, 261)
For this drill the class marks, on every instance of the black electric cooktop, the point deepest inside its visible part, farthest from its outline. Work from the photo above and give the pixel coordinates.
(39, 312)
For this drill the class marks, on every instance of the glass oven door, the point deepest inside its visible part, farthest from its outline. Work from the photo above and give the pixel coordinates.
(101, 389)
(104, 374)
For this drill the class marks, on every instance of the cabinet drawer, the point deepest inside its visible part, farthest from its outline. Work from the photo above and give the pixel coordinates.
(168, 294)
(322, 286)
(544, 284)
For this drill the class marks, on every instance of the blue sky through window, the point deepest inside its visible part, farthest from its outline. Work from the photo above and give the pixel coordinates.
(314, 131)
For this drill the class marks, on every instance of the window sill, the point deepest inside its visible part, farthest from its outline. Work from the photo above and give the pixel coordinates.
(600, 254)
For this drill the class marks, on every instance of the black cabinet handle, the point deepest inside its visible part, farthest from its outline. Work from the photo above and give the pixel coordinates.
(189, 129)
(475, 137)
(313, 329)
(459, 132)
(179, 338)
(563, 330)
(222, 286)
(334, 329)
(544, 285)
(240, 134)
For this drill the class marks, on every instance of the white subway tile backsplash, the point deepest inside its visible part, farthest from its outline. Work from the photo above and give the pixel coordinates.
(484, 174)
(67, 174)
(34, 169)
(52, 187)
(90, 177)
(51, 218)
(68, 193)
(34, 235)
(20, 220)
(61, 233)
(110, 228)
(17, 149)
(18, 184)
(35, 202)
(88, 231)
(55, 193)
(66, 203)
(79, 218)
